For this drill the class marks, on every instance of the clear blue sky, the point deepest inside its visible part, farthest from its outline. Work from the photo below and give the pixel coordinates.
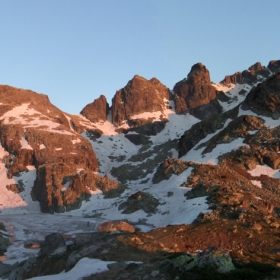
(74, 51)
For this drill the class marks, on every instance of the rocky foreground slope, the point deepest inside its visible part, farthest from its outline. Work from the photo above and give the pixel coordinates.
(193, 169)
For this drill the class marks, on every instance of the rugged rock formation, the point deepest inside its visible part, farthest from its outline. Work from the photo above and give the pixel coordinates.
(253, 74)
(139, 200)
(97, 110)
(265, 98)
(36, 133)
(274, 66)
(196, 91)
(169, 167)
(200, 130)
(138, 96)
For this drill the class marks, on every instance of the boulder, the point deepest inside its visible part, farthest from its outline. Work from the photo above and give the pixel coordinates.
(116, 226)
(272, 159)
(4, 243)
(217, 258)
(54, 245)
(139, 200)
(185, 262)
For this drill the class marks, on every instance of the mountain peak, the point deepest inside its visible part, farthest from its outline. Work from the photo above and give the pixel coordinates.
(97, 110)
(195, 92)
(197, 70)
(138, 96)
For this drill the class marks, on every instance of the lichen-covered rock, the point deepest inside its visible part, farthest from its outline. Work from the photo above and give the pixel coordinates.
(217, 258)
(185, 262)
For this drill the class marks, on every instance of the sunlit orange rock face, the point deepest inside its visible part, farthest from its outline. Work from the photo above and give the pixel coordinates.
(196, 94)
(97, 110)
(138, 96)
(54, 148)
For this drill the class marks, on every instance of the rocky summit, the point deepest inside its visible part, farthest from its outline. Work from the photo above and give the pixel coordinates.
(178, 183)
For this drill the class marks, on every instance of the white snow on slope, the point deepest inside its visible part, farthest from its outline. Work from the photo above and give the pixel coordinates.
(233, 93)
(212, 157)
(257, 183)
(76, 141)
(117, 146)
(175, 127)
(265, 170)
(269, 122)
(106, 127)
(174, 209)
(84, 267)
(29, 117)
(24, 144)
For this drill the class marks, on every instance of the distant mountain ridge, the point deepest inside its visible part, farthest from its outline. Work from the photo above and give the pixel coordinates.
(195, 94)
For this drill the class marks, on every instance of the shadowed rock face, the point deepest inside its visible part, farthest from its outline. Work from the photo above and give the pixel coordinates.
(195, 91)
(274, 66)
(138, 96)
(265, 98)
(97, 110)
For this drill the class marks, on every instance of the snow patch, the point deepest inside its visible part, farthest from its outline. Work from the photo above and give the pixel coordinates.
(265, 170)
(257, 183)
(42, 146)
(24, 144)
(84, 267)
(76, 141)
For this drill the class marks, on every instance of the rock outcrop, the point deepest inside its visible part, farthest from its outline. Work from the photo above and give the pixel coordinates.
(54, 245)
(253, 74)
(97, 110)
(116, 226)
(36, 133)
(196, 93)
(265, 98)
(138, 96)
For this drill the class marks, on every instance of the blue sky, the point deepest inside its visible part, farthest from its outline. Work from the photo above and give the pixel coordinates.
(74, 51)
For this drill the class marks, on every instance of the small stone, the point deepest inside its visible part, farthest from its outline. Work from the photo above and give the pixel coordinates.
(154, 273)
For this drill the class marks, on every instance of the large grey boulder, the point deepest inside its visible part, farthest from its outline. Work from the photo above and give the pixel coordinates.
(54, 245)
